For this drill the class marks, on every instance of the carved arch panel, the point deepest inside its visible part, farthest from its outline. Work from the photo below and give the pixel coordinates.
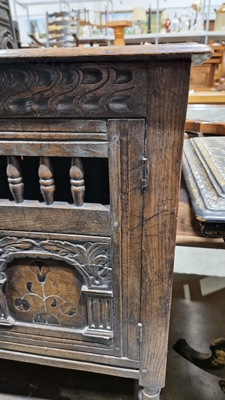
(59, 283)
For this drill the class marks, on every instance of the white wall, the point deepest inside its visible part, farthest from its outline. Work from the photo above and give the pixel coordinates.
(39, 11)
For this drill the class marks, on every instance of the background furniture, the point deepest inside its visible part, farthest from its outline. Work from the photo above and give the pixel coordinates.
(118, 27)
(206, 97)
(62, 29)
(86, 266)
(7, 32)
(211, 71)
(188, 229)
(203, 169)
(203, 36)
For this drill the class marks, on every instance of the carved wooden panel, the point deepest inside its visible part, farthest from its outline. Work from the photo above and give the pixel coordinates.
(92, 260)
(56, 283)
(73, 90)
(45, 292)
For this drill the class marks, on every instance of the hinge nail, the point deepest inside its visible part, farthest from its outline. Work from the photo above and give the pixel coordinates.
(144, 172)
(139, 336)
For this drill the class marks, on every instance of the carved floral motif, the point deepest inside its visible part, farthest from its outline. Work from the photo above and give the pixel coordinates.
(90, 259)
(48, 295)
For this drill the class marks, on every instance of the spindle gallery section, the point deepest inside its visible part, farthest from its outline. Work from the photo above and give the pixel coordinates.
(46, 180)
(51, 179)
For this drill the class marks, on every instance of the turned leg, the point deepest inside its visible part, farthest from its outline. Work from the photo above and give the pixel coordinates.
(150, 394)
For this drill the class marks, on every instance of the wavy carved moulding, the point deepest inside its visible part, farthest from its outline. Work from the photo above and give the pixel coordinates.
(73, 90)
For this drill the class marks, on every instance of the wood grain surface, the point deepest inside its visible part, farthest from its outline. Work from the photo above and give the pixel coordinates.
(54, 126)
(73, 90)
(165, 127)
(91, 219)
(119, 113)
(51, 149)
(196, 52)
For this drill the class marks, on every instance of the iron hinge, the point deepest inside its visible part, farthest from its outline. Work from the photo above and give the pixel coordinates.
(144, 172)
(139, 335)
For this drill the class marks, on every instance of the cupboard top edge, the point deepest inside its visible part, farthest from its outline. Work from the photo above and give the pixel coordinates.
(196, 52)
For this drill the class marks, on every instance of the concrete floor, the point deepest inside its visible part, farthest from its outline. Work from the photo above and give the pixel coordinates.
(199, 320)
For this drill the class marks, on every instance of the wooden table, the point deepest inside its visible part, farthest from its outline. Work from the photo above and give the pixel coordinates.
(204, 173)
(200, 122)
(118, 27)
(206, 97)
(85, 285)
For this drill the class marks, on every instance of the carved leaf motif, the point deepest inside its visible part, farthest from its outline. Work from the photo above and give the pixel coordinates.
(22, 304)
(54, 303)
(8, 244)
(39, 272)
(29, 286)
(63, 253)
(97, 249)
(91, 258)
(6, 241)
(52, 245)
(68, 308)
(81, 255)
(45, 319)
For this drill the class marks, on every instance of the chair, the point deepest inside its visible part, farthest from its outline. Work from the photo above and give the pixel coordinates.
(204, 76)
(62, 29)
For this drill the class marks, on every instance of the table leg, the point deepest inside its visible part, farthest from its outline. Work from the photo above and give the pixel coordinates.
(213, 361)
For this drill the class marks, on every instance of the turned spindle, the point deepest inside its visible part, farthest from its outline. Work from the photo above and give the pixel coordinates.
(77, 181)
(15, 179)
(46, 180)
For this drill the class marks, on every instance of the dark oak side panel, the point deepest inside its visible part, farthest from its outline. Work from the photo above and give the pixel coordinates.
(167, 100)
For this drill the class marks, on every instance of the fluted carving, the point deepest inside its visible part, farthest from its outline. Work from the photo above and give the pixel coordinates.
(77, 181)
(46, 180)
(15, 179)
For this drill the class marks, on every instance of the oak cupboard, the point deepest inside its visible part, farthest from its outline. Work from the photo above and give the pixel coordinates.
(90, 156)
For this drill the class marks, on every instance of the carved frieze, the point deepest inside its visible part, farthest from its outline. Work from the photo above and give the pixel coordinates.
(72, 90)
(90, 259)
